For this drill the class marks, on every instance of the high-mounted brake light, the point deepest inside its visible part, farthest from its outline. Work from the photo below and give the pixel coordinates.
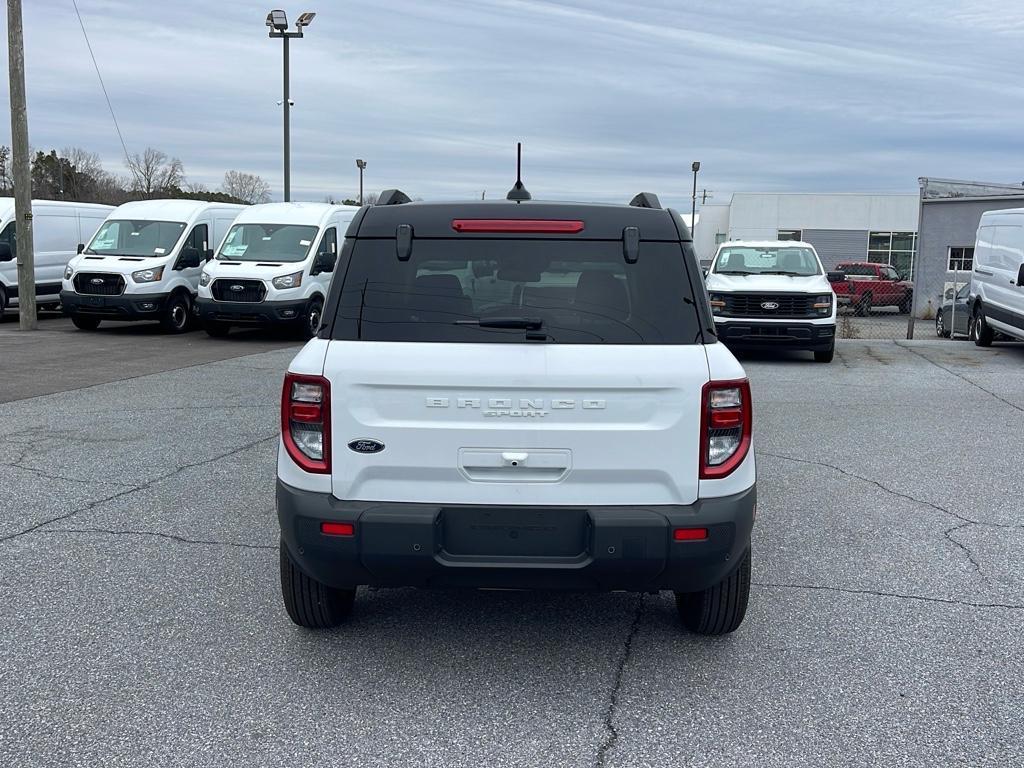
(519, 226)
(726, 419)
(306, 421)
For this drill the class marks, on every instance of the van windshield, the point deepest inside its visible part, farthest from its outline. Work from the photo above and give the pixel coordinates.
(123, 237)
(517, 291)
(747, 260)
(267, 242)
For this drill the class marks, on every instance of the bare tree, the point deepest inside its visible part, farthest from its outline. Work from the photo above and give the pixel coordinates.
(154, 172)
(195, 188)
(246, 186)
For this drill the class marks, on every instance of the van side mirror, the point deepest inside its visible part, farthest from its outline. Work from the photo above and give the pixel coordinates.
(208, 255)
(81, 247)
(6, 254)
(836, 277)
(190, 258)
(324, 262)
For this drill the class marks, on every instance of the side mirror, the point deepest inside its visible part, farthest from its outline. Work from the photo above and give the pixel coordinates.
(324, 262)
(209, 254)
(836, 277)
(190, 258)
(81, 247)
(6, 254)
(1020, 276)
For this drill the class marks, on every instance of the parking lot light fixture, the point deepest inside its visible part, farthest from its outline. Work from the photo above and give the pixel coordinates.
(693, 204)
(361, 165)
(277, 20)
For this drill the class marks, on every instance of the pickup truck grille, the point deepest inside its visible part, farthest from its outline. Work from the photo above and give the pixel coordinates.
(768, 305)
(249, 291)
(99, 284)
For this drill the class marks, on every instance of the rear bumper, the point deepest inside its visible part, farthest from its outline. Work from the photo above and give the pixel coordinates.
(516, 547)
(246, 313)
(127, 306)
(784, 335)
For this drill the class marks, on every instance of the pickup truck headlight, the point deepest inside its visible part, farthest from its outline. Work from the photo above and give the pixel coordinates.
(717, 303)
(68, 272)
(823, 304)
(294, 280)
(148, 275)
(204, 278)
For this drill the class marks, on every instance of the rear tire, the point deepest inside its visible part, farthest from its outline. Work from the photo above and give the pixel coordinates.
(84, 323)
(176, 313)
(940, 326)
(981, 333)
(216, 329)
(905, 304)
(825, 355)
(3, 304)
(864, 306)
(309, 603)
(718, 610)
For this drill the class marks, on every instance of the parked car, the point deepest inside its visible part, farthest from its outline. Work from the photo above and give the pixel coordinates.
(997, 280)
(868, 285)
(772, 295)
(57, 228)
(953, 316)
(522, 395)
(144, 263)
(273, 268)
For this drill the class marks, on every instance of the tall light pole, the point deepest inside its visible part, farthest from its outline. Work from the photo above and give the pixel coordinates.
(278, 23)
(361, 165)
(693, 206)
(21, 171)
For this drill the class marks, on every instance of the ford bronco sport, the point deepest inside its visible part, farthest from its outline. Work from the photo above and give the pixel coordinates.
(517, 394)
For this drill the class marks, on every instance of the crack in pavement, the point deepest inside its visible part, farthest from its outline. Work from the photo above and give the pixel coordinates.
(960, 376)
(50, 476)
(895, 595)
(946, 534)
(133, 489)
(613, 701)
(170, 536)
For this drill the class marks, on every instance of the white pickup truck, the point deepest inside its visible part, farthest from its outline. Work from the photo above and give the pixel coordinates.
(517, 395)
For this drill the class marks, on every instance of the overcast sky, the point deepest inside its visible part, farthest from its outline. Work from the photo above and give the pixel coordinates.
(609, 97)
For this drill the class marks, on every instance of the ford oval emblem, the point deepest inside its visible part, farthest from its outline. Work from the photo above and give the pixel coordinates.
(97, 281)
(769, 305)
(365, 445)
(237, 288)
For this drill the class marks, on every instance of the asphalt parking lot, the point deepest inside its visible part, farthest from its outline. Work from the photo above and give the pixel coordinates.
(141, 623)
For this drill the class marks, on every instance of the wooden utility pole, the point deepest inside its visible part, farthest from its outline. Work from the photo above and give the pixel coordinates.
(21, 170)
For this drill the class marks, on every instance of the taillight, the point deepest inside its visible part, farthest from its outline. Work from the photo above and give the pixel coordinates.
(725, 427)
(306, 421)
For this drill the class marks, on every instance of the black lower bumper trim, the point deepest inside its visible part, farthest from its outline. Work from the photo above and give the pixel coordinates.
(127, 306)
(515, 547)
(245, 313)
(780, 335)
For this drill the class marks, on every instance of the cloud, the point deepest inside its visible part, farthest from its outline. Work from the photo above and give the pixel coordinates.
(608, 97)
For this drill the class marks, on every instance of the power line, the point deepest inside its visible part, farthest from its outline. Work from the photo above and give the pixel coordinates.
(103, 86)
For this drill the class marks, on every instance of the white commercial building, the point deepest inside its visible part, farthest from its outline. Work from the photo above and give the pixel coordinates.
(880, 228)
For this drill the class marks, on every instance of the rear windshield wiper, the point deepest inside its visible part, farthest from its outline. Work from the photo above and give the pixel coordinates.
(524, 323)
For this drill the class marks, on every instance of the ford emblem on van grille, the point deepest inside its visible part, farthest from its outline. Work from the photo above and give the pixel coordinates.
(237, 288)
(769, 305)
(97, 281)
(365, 445)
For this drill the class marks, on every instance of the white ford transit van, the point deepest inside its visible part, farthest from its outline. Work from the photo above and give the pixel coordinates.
(274, 267)
(57, 227)
(144, 263)
(997, 280)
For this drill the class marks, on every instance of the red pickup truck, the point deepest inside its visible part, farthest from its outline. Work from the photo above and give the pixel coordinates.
(863, 285)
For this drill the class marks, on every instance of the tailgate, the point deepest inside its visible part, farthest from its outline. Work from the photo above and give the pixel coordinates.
(516, 423)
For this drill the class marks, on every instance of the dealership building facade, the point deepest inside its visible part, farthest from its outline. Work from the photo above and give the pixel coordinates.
(880, 228)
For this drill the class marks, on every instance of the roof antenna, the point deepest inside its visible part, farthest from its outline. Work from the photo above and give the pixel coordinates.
(519, 192)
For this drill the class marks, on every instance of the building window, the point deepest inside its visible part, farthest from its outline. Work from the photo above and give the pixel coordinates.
(897, 249)
(791, 234)
(961, 259)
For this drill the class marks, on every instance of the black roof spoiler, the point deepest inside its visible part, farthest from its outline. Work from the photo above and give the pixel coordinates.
(646, 200)
(393, 197)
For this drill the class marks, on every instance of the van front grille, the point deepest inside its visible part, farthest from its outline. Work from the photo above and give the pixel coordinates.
(99, 284)
(249, 291)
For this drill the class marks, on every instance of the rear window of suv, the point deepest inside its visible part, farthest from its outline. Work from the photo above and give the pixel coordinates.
(515, 291)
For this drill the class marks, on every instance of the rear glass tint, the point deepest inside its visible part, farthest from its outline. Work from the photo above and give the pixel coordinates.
(552, 291)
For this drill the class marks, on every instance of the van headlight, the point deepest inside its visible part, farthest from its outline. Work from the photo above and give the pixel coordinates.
(148, 275)
(204, 278)
(823, 304)
(294, 280)
(69, 271)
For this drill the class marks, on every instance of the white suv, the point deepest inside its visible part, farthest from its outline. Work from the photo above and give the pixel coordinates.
(517, 395)
(773, 294)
